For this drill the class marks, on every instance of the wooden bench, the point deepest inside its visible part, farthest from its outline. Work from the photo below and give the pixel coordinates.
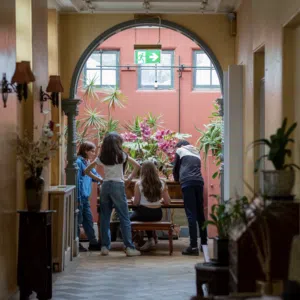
(162, 225)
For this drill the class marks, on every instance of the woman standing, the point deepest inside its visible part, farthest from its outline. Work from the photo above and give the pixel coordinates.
(113, 160)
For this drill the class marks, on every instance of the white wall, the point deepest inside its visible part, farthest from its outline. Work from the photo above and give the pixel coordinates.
(233, 132)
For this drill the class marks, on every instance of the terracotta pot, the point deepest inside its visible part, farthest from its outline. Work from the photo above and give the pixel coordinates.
(272, 288)
(35, 186)
(278, 183)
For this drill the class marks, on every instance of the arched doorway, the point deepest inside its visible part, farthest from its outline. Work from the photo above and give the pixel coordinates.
(141, 23)
(136, 23)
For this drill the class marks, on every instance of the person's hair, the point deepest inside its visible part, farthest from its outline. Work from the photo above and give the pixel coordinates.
(84, 148)
(150, 181)
(111, 150)
(182, 143)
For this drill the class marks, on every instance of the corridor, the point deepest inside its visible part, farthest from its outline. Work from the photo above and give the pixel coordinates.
(154, 275)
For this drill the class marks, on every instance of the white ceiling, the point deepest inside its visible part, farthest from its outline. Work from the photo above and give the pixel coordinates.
(146, 6)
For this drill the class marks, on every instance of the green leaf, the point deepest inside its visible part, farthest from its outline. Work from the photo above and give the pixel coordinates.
(291, 129)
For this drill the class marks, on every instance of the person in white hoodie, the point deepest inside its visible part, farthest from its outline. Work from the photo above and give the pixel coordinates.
(187, 170)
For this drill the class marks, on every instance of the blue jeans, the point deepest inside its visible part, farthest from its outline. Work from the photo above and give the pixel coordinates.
(112, 193)
(85, 218)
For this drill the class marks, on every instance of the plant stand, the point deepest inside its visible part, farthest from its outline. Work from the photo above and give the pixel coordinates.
(35, 254)
(217, 279)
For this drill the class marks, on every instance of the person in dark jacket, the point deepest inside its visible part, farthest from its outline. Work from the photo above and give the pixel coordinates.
(187, 170)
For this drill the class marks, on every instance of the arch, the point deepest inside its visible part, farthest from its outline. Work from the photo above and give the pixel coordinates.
(135, 23)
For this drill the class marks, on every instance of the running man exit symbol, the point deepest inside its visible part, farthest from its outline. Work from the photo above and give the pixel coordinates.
(147, 56)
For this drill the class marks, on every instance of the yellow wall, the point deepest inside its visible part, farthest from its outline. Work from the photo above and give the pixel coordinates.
(8, 127)
(260, 23)
(53, 69)
(22, 37)
(77, 31)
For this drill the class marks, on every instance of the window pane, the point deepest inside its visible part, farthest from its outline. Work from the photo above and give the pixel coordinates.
(164, 77)
(109, 77)
(147, 77)
(202, 60)
(92, 76)
(203, 77)
(165, 59)
(109, 59)
(93, 61)
(215, 78)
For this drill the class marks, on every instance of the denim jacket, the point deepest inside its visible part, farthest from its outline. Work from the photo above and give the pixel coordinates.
(84, 182)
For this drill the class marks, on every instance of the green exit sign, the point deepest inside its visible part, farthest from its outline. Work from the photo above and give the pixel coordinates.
(147, 56)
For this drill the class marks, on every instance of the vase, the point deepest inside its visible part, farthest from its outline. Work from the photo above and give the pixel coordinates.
(34, 187)
(278, 183)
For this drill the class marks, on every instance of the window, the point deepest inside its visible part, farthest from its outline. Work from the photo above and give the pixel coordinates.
(161, 74)
(205, 75)
(103, 67)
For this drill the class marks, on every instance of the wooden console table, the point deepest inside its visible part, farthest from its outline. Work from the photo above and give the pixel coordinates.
(35, 254)
(64, 237)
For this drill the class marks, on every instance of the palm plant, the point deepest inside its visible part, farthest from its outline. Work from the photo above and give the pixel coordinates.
(110, 126)
(154, 121)
(134, 126)
(92, 118)
(89, 87)
(115, 98)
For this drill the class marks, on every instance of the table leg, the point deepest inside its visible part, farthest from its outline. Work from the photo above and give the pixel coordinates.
(171, 241)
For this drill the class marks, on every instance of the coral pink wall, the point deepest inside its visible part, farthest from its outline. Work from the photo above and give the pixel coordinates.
(195, 105)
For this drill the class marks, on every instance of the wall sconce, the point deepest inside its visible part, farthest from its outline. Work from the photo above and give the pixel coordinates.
(155, 84)
(22, 76)
(54, 87)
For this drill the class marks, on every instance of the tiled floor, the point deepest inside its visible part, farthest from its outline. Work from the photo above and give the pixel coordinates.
(154, 275)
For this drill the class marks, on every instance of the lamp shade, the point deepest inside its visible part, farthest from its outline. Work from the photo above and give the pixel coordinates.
(20, 76)
(28, 71)
(54, 85)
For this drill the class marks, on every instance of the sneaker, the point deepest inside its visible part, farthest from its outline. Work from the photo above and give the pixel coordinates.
(149, 244)
(132, 252)
(191, 251)
(95, 247)
(81, 248)
(104, 251)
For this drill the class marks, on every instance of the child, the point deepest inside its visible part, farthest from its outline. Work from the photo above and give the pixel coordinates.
(147, 194)
(113, 160)
(85, 154)
(187, 170)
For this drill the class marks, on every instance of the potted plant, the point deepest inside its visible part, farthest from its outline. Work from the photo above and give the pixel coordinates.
(36, 155)
(144, 141)
(278, 182)
(224, 217)
(211, 139)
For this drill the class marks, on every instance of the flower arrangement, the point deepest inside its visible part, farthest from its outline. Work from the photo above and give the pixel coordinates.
(144, 141)
(37, 154)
